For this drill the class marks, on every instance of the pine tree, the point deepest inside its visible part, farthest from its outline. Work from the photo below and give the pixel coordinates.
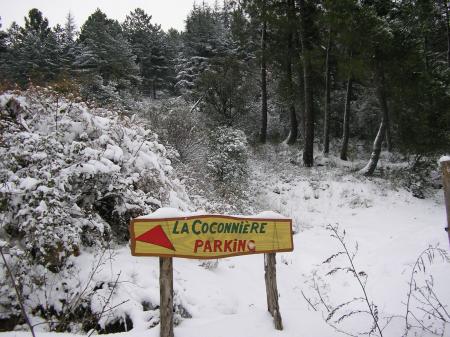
(263, 132)
(69, 30)
(149, 44)
(3, 53)
(3, 37)
(105, 52)
(379, 49)
(205, 37)
(32, 54)
(306, 37)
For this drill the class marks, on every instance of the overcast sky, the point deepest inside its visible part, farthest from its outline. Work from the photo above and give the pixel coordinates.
(167, 13)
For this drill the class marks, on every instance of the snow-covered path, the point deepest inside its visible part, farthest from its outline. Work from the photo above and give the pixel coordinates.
(390, 226)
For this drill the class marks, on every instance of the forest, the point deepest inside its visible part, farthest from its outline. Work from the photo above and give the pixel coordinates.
(331, 113)
(306, 73)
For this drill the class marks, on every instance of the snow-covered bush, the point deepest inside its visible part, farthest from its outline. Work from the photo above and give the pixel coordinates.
(180, 128)
(227, 160)
(94, 89)
(71, 178)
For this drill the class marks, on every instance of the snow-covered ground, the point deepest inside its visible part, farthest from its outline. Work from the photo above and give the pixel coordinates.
(390, 226)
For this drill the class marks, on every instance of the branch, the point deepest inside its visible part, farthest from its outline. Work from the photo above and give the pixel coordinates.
(419, 264)
(18, 293)
(197, 103)
(356, 275)
(107, 301)
(309, 302)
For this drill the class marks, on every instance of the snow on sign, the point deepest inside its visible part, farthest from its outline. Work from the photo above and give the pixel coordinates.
(209, 236)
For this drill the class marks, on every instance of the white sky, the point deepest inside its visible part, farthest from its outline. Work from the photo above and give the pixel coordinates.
(167, 13)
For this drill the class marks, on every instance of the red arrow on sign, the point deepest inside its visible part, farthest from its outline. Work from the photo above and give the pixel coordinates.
(156, 236)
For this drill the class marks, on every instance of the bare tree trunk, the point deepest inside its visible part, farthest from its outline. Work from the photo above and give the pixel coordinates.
(308, 150)
(293, 131)
(381, 93)
(263, 132)
(326, 117)
(346, 126)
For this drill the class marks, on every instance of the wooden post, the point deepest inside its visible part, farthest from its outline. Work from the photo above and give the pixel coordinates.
(166, 296)
(270, 276)
(445, 166)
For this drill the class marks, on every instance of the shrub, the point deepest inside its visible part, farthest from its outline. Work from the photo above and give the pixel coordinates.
(227, 161)
(72, 178)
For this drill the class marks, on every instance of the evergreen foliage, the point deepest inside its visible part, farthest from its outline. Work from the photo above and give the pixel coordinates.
(149, 44)
(106, 52)
(379, 61)
(227, 162)
(32, 51)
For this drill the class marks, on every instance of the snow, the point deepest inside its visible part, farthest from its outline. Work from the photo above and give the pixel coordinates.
(390, 226)
(42, 208)
(169, 212)
(228, 298)
(268, 215)
(28, 183)
(113, 153)
(52, 176)
(444, 158)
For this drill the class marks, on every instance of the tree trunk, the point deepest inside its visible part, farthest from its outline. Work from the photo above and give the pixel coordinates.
(305, 37)
(326, 117)
(447, 27)
(381, 93)
(388, 133)
(293, 131)
(301, 86)
(447, 20)
(425, 53)
(346, 126)
(263, 132)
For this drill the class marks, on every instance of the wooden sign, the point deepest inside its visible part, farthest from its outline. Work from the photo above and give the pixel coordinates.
(209, 236)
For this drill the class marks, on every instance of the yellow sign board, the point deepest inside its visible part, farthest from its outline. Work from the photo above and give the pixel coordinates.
(209, 236)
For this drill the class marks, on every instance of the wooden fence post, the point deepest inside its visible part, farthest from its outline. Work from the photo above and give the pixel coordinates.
(166, 296)
(445, 166)
(270, 276)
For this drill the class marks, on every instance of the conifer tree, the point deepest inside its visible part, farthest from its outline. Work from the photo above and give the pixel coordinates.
(204, 38)
(307, 9)
(149, 44)
(3, 53)
(32, 54)
(106, 52)
(3, 37)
